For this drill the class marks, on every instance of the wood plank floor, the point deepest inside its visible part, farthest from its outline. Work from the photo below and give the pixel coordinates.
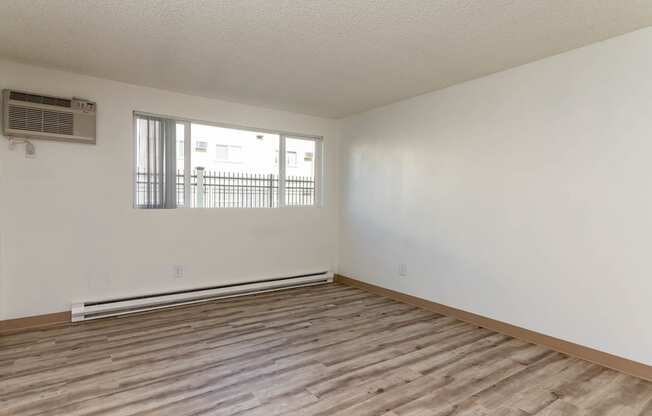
(326, 350)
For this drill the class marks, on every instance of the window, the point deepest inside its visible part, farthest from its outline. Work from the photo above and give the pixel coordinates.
(222, 152)
(201, 146)
(291, 158)
(229, 153)
(176, 168)
(300, 177)
(155, 163)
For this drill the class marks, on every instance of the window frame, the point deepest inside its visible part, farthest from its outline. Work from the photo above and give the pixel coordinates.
(283, 135)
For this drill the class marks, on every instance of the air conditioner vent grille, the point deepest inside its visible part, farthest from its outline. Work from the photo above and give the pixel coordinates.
(57, 122)
(40, 99)
(40, 121)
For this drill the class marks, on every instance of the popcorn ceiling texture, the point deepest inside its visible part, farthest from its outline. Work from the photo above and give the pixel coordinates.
(328, 58)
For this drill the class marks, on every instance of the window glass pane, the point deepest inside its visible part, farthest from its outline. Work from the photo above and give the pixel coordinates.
(156, 174)
(142, 176)
(232, 168)
(300, 171)
(149, 166)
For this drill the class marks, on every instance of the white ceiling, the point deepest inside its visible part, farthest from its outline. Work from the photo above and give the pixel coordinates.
(324, 57)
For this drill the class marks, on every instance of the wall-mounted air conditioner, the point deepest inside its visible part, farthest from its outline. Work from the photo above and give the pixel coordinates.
(33, 116)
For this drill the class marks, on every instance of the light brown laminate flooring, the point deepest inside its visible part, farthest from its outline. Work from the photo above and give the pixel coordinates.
(323, 350)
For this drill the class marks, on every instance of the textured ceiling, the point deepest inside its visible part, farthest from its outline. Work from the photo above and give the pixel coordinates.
(324, 57)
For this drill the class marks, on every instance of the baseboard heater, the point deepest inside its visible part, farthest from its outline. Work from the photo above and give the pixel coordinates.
(82, 311)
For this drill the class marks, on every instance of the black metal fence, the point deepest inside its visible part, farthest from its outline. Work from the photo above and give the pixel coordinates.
(299, 190)
(235, 190)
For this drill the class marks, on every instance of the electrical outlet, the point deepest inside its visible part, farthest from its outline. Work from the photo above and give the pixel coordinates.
(402, 269)
(178, 271)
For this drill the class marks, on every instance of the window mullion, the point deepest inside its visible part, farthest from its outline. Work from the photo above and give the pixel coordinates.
(281, 171)
(187, 171)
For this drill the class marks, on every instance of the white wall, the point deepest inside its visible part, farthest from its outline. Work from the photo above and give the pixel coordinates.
(525, 196)
(70, 232)
(2, 227)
